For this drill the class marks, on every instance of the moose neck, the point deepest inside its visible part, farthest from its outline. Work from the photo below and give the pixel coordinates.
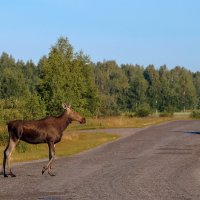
(64, 121)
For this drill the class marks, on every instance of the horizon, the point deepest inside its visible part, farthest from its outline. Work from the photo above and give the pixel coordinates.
(119, 65)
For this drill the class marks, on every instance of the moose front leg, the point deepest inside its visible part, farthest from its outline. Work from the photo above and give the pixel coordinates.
(51, 158)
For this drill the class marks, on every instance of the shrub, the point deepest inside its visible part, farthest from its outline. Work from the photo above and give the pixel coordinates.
(195, 114)
(27, 107)
(3, 138)
(128, 114)
(22, 147)
(143, 111)
(166, 114)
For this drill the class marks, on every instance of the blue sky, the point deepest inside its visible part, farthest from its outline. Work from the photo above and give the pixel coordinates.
(129, 31)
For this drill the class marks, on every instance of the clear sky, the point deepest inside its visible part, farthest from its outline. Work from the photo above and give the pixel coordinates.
(129, 31)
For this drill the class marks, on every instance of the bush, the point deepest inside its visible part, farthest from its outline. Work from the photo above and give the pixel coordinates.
(22, 147)
(26, 107)
(128, 114)
(195, 114)
(3, 138)
(166, 114)
(143, 111)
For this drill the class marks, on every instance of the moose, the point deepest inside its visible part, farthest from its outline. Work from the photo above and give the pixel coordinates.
(48, 130)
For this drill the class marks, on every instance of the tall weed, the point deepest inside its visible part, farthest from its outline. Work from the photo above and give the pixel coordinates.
(195, 114)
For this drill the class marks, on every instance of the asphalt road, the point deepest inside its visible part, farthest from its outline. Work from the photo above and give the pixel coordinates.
(159, 162)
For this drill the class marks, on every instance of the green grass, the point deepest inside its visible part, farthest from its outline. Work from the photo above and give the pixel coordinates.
(74, 142)
(70, 144)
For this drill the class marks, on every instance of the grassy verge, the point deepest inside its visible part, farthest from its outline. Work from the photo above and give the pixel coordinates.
(71, 143)
(74, 142)
(125, 122)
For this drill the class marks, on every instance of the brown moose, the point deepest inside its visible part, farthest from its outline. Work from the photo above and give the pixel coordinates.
(48, 130)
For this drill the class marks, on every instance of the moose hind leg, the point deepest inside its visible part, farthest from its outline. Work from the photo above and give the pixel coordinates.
(5, 162)
(7, 155)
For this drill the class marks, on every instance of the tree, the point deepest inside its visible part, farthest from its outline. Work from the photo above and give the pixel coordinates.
(12, 82)
(112, 84)
(136, 93)
(30, 71)
(196, 81)
(33, 107)
(153, 90)
(65, 77)
(6, 61)
(165, 96)
(183, 91)
(86, 88)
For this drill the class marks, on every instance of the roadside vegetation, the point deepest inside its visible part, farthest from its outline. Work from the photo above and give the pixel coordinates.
(124, 121)
(195, 114)
(107, 94)
(33, 91)
(74, 141)
(71, 143)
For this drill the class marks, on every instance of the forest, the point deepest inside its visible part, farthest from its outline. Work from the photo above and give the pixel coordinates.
(33, 91)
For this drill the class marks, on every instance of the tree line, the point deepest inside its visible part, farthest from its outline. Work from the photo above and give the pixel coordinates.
(30, 91)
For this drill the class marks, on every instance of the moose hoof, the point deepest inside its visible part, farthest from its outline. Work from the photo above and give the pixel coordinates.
(44, 169)
(51, 174)
(12, 175)
(5, 175)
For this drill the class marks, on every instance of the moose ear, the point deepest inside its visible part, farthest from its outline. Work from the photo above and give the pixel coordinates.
(64, 106)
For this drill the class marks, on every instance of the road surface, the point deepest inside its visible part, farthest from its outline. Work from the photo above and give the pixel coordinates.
(161, 162)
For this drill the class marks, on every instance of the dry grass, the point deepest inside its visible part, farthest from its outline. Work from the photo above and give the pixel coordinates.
(72, 143)
(125, 122)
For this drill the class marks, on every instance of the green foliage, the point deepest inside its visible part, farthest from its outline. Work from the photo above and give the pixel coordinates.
(183, 95)
(66, 76)
(165, 95)
(3, 138)
(29, 91)
(166, 114)
(112, 84)
(143, 111)
(153, 90)
(22, 147)
(196, 82)
(108, 106)
(9, 109)
(195, 114)
(33, 107)
(136, 93)
(27, 107)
